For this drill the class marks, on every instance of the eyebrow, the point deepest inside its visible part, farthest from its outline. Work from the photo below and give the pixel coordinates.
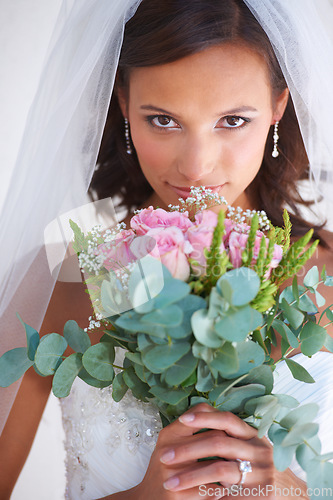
(234, 111)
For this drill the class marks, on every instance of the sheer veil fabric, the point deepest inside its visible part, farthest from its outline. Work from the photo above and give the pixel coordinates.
(65, 125)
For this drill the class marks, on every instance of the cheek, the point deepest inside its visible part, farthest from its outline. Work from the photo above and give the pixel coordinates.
(251, 152)
(152, 152)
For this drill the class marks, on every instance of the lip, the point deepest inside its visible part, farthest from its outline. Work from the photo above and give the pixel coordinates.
(184, 192)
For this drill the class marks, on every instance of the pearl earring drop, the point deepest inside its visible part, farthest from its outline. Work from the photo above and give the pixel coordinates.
(275, 152)
(127, 138)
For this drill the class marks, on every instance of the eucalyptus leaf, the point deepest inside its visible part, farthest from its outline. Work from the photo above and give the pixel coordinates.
(113, 297)
(139, 389)
(226, 360)
(196, 400)
(32, 339)
(263, 375)
(240, 285)
(283, 456)
(235, 399)
(173, 291)
(300, 433)
(146, 282)
(302, 414)
(250, 355)
(144, 342)
(285, 333)
(321, 301)
(159, 358)
(181, 369)
(98, 361)
(191, 380)
(66, 374)
(135, 357)
(299, 372)
(202, 352)
(49, 353)
(295, 289)
(13, 364)
(94, 382)
(320, 477)
(312, 338)
(305, 303)
(203, 329)
(306, 452)
(311, 279)
(293, 315)
(328, 281)
(169, 316)
(171, 396)
(329, 343)
(238, 323)
(76, 338)
(119, 388)
(205, 381)
(267, 420)
(259, 406)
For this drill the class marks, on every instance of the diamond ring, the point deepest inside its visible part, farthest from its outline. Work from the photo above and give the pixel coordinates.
(244, 467)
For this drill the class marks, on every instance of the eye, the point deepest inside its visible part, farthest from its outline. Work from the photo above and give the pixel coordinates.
(233, 122)
(162, 121)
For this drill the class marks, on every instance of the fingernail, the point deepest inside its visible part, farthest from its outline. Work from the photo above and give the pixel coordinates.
(188, 417)
(168, 457)
(171, 483)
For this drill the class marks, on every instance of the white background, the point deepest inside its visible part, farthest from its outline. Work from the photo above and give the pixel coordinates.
(25, 29)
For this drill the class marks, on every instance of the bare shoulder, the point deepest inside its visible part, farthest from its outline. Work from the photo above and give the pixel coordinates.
(324, 257)
(324, 253)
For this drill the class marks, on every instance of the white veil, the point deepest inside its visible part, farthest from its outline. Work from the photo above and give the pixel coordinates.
(65, 125)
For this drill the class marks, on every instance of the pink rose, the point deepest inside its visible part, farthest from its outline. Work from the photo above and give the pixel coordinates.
(200, 236)
(229, 225)
(149, 219)
(118, 252)
(172, 248)
(237, 244)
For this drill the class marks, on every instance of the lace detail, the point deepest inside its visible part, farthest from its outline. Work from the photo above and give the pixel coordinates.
(96, 426)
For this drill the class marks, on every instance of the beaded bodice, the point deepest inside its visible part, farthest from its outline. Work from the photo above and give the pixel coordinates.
(108, 444)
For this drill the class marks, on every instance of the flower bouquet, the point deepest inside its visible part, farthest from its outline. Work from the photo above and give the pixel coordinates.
(195, 302)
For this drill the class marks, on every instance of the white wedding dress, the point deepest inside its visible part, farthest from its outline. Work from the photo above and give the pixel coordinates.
(109, 444)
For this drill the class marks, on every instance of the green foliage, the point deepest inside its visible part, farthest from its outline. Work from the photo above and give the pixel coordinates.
(13, 364)
(49, 353)
(207, 340)
(217, 262)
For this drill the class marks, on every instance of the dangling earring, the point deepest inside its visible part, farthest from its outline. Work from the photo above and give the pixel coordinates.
(275, 152)
(127, 138)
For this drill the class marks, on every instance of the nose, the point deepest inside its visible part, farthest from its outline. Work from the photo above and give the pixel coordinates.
(198, 158)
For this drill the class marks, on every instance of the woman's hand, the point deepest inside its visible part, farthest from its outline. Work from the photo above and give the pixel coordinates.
(174, 472)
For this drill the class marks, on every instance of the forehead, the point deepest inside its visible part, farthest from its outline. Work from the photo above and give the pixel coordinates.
(220, 75)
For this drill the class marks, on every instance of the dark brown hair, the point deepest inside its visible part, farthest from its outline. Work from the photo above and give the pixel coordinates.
(164, 31)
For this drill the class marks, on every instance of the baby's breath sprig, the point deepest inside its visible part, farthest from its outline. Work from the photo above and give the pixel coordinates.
(201, 198)
(85, 246)
(240, 216)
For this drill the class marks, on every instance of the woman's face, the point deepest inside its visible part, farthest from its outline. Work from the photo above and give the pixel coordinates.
(202, 121)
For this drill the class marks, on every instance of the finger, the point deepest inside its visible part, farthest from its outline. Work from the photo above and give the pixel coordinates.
(225, 472)
(179, 429)
(222, 420)
(213, 443)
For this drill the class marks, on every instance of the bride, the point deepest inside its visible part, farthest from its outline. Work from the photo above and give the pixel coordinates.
(226, 94)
